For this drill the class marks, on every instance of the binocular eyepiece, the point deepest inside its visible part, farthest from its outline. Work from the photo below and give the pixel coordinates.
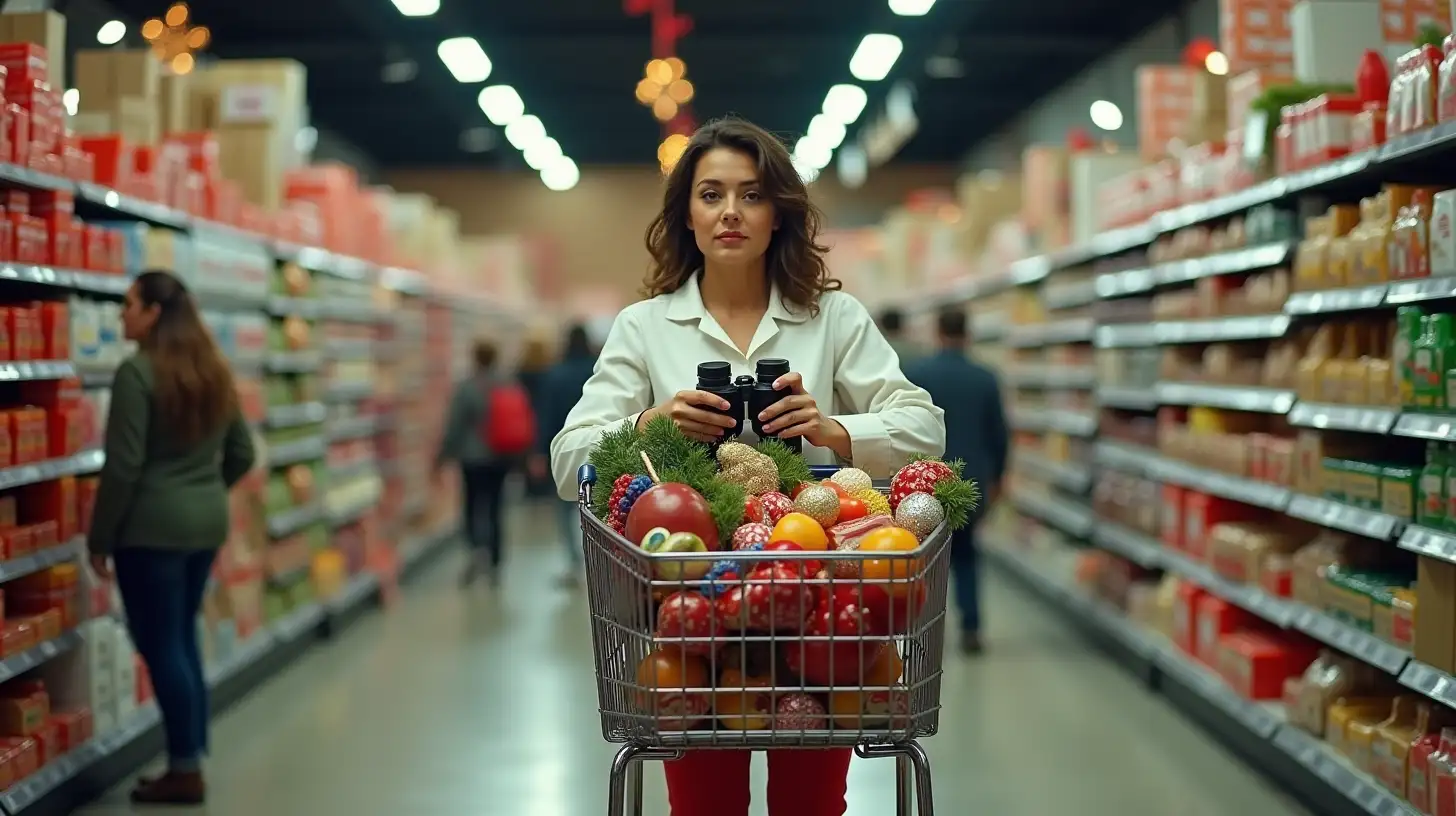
(747, 396)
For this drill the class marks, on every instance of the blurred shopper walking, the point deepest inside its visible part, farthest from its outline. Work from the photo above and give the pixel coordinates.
(176, 442)
(490, 430)
(561, 387)
(892, 326)
(536, 360)
(975, 432)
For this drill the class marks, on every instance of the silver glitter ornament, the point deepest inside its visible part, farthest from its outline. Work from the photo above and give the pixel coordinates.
(853, 480)
(819, 503)
(920, 513)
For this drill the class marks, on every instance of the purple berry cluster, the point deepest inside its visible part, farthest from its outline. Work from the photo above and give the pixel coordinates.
(635, 489)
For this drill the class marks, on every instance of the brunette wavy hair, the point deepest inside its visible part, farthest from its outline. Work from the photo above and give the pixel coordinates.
(193, 391)
(795, 258)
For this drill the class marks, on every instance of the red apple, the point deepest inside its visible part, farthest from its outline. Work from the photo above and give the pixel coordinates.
(776, 598)
(895, 615)
(800, 567)
(687, 615)
(676, 508)
(843, 660)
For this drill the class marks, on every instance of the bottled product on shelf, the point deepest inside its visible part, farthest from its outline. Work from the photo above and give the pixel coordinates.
(327, 298)
(1273, 477)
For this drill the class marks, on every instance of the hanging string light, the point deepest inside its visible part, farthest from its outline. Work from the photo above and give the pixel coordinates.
(665, 88)
(174, 40)
(670, 151)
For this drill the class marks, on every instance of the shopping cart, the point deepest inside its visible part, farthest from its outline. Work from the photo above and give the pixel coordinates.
(863, 671)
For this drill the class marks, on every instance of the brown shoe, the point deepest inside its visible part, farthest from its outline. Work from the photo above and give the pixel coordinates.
(173, 788)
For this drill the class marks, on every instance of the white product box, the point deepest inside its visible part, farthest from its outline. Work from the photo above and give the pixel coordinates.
(1330, 37)
(1443, 234)
(1087, 173)
(125, 678)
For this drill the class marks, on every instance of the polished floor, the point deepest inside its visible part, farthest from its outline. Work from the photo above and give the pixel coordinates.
(482, 702)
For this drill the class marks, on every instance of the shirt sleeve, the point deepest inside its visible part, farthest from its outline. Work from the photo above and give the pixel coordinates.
(126, 452)
(616, 394)
(891, 419)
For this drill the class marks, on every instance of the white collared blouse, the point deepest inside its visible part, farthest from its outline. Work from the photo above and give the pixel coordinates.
(655, 346)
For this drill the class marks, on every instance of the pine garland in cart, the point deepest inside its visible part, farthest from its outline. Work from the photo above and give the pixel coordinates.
(764, 498)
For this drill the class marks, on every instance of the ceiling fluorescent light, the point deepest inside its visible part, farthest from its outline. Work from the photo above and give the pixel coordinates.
(111, 33)
(540, 155)
(813, 153)
(827, 131)
(875, 57)
(560, 175)
(501, 104)
(844, 103)
(905, 8)
(525, 132)
(465, 59)
(420, 8)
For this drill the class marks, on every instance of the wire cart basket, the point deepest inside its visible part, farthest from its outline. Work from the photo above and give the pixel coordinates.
(792, 650)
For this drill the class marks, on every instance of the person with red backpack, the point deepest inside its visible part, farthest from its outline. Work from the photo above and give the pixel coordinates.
(489, 431)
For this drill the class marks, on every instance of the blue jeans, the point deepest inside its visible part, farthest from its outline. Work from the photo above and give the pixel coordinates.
(568, 518)
(162, 592)
(965, 571)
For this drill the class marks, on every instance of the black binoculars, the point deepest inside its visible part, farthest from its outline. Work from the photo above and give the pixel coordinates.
(747, 396)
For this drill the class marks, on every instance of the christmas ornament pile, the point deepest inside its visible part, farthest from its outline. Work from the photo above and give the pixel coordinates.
(834, 568)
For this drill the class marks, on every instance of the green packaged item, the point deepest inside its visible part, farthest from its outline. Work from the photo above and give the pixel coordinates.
(1332, 478)
(1429, 360)
(1362, 485)
(1398, 489)
(1347, 598)
(1407, 332)
(1433, 495)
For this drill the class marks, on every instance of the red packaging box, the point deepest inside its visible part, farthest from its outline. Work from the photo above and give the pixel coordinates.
(1201, 512)
(1172, 516)
(1216, 618)
(17, 133)
(85, 500)
(112, 156)
(24, 755)
(1256, 664)
(24, 63)
(1185, 616)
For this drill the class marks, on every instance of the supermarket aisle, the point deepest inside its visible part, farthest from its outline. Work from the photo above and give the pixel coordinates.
(465, 703)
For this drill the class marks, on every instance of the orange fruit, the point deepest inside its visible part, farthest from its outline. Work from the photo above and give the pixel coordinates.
(870, 710)
(901, 571)
(671, 672)
(747, 709)
(836, 487)
(804, 531)
(887, 669)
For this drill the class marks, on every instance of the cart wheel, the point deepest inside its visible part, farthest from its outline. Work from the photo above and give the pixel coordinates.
(624, 788)
(912, 769)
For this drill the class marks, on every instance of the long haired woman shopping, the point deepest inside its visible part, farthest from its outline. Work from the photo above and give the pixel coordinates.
(738, 274)
(175, 444)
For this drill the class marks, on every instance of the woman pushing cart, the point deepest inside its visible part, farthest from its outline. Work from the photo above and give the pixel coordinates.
(738, 276)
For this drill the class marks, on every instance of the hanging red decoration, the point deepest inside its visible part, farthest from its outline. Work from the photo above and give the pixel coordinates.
(1195, 53)
(667, 28)
(1079, 140)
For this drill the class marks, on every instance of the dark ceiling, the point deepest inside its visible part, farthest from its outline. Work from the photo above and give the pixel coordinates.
(576, 63)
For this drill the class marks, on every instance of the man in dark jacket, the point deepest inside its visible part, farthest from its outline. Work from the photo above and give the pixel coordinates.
(975, 433)
(561, 387)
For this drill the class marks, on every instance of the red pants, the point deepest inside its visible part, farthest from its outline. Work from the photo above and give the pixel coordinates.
(800, 782)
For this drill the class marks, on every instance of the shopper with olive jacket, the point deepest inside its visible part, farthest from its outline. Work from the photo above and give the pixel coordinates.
(175, 443)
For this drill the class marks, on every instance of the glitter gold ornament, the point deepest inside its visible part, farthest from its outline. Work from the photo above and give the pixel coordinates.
(875, 501)
(819, 503)
(853, 480)
(755, 472)
(920, 513)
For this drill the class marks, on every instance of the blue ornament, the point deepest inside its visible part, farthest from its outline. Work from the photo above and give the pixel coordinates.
(716, 585)
(635, 489)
